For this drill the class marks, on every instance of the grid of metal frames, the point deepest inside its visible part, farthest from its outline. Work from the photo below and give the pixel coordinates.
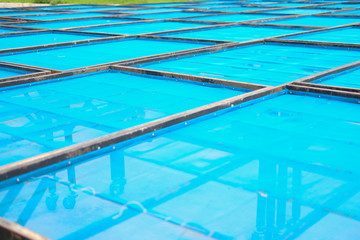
(18, 25)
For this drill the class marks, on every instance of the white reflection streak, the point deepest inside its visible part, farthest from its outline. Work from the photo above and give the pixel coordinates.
(125, 206)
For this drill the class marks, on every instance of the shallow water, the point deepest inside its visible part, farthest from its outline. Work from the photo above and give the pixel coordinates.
(9, 30)
(138, 28)
(76, 56)
(351, 12)
(52, 115)
(236, 33)
(10, 72)
(349, 78)
(234, 17)
(341, 35)
(34, 39)
(316, 21)
(253, 63)
(267, 169)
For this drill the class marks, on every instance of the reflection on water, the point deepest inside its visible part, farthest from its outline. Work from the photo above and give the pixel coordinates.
(254, 62)
(40, 118)
(223, 178)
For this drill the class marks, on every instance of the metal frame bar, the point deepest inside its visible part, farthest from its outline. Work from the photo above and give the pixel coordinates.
(14, 231)
(35, 71)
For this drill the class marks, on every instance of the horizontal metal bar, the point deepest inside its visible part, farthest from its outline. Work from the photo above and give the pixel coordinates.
(26, 67)
(22, 32)
(345, 16)
(9, 79)
(217, 81)
(325, 91)
(324, 86)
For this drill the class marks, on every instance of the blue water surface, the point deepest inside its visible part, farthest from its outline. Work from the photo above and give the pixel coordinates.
(340, 35)
(9, 30)
(53, 115)
(352, 12)
(236, 33)
(264, 169)
(344, 5)
(138, 28)
(234, 17)
(76, 56)
(316, 21)
(34, 39)
(349, 78)
(267, 64)
(10, 72)
(10, 9)
(299, 11)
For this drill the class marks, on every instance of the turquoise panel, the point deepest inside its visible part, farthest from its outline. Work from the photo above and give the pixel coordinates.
(268, 64)
(56, 114)
(76, 56)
